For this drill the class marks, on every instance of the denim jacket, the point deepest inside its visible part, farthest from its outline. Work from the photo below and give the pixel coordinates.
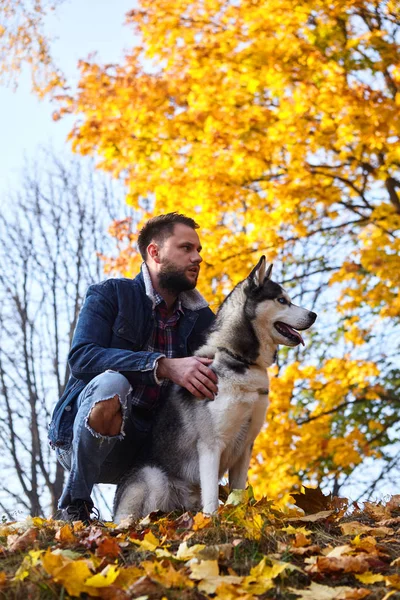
(115, 322)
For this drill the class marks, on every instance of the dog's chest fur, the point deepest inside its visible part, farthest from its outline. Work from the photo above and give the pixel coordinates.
(230, 422)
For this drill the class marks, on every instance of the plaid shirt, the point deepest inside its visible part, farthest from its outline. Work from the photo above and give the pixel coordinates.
(164, 339)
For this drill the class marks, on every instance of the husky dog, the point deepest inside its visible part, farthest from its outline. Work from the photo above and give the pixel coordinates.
(194, 442)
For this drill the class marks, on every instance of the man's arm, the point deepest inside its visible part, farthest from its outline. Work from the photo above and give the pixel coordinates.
(90, 353)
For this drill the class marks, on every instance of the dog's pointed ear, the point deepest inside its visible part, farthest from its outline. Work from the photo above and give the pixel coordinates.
(260, 273)
(257, 275)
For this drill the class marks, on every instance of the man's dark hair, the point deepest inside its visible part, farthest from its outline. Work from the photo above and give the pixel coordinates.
(159, 228)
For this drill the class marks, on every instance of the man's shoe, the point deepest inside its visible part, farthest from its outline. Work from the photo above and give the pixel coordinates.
(79, 510)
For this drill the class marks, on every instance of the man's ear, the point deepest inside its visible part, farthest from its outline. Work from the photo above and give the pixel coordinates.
(260, 273)
(153, 251)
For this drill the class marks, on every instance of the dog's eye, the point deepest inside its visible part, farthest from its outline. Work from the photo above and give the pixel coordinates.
(282, 300)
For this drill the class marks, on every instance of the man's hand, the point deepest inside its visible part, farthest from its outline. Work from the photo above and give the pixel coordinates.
(191, 373)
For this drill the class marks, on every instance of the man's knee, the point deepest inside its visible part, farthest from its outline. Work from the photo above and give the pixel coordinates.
(105, 416)
(112, 382)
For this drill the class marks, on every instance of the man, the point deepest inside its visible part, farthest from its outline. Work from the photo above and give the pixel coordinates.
(133, 338)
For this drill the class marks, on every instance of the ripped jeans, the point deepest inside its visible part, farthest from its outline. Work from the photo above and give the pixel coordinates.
(95, 458)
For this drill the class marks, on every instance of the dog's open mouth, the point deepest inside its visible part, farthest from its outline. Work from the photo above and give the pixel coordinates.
(289, 332)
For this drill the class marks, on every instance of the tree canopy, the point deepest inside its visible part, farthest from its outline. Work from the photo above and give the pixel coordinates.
(26, 41)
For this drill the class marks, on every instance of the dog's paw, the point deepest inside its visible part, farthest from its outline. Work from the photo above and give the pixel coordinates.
(125, 522)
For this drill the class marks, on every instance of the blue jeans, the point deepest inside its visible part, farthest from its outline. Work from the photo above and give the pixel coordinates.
(95, 458)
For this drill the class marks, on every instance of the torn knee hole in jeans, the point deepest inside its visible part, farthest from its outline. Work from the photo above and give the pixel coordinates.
(100, 436)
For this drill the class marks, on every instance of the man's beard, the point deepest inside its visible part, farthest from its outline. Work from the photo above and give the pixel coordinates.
(174, 280)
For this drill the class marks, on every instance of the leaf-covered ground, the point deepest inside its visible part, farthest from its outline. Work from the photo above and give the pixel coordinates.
(249, 550)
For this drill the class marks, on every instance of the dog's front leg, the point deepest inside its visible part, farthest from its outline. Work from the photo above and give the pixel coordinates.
(238, 473)
(209, 460)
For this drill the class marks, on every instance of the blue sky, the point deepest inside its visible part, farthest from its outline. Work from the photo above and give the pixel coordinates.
(80, 28)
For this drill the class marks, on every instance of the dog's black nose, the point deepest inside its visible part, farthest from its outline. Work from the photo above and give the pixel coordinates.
(312, 316)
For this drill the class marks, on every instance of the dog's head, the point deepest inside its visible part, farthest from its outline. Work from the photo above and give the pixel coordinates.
(270, 306)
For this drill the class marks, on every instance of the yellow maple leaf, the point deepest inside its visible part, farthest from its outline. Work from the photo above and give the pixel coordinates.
(370, 577)
(73, 576)
(65, 534)
(166, 574)
(186, 553)
(105, 578)
(262, 575)
(149, 542)
(294, 530)
(200, 521)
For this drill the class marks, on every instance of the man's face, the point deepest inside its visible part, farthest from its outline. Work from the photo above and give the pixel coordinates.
(180, 260)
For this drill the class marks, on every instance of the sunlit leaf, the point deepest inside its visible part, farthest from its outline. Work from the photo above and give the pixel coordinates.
(107, 577)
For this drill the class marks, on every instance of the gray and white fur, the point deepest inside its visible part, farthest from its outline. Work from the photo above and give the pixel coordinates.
(195, 442)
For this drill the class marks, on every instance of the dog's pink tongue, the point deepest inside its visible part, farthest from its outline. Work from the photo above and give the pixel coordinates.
(295, 333)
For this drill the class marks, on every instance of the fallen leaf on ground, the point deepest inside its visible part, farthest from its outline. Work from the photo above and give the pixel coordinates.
(262, 575)
(393, 503)
(186, 552)
(211, 584)
(142, 587)
(148, 543)
(128, 576)
(357, 594)
(185, 521)
(355, 528)
(338, 550)
(19, 543)
(109, 547)
(237, 497)
(105, 578)
(389, 522)
(200, 521)
(325, 592)
(293, 530)
(166, 574)
(227, 591)
(205, 569)
(71, 574)
(377, 511)
(30, 560)
(115, 593)
(346, 564)
(312, 500)
(215, 552)
(125, 523)
(65, 534)
(313, 518)
(393, 581)
(366, 544)
(301, 540)
(313, 549)
(369, 577)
